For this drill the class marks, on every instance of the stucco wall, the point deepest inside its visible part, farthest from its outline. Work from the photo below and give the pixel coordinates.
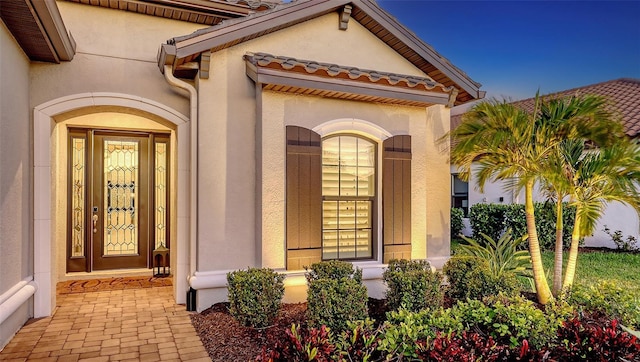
(227, 109)
(15, 175)
(116, 52)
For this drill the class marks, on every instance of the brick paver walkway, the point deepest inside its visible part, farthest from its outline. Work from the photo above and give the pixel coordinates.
(118, 325)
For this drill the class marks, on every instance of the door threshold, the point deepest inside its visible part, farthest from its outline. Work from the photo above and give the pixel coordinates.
(101, 274)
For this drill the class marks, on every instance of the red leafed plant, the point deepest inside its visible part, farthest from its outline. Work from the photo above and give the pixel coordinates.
(596, 340)
(301, 344)
(466, 347)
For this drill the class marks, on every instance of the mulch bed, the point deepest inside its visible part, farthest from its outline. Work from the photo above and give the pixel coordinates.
(222, 336)
(99, 285)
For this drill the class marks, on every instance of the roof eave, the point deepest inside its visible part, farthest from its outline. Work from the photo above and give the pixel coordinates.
(51, 20)
(39, 29)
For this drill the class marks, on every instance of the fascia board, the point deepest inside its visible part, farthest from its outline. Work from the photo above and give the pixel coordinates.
(276, 77)
(295, 13)
(53, 26)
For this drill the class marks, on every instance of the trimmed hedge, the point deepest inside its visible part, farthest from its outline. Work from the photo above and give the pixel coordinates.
(255, 296)
(412, 285)
(494, 219)
(456, 222)
(335, 295)
(470, 278)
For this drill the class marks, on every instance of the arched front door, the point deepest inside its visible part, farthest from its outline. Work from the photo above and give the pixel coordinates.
(117, 197)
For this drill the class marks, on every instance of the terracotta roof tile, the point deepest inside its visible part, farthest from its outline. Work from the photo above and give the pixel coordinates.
(623, 95)
(346, 72)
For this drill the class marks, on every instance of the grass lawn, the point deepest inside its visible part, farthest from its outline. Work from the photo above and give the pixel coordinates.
(622, 268)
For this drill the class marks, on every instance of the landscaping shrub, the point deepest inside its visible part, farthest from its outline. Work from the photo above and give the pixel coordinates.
(494, 219)
(333, 269)
(456, 221)
(468, 346)
(402, 331)
(628, 244)
(412, 285)
(301, 345)
(487, 219)
(503, 255)
(516, 319)
(255, 296)
(471, 277)
(335, 295)
(359, 342)
(587, 340)
(607, 298)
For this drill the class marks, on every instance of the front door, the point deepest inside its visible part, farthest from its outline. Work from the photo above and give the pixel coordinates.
(118, 201)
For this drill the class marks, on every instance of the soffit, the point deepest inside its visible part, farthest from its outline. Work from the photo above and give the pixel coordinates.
(286, 74)
(38, 28)
(185, 49)
(207, 12)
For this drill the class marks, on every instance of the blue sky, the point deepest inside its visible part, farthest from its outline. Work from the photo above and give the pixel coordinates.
(516, 47)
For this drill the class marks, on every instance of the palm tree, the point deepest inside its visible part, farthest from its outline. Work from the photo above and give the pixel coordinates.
(556, 184)
(607, 174)
(584, 119)
(507, 142)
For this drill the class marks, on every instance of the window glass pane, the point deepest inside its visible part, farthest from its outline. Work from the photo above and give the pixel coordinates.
(348, 181)
(347, 215)
(363, 214)
(347, 244)
(459, 186)
(329, 215)
(329, 244)
(160, 193)
(348, 151)
(331, 151)
(363, 244)
(348, 189)
(78, 170)
(330, 180)
(120, 192)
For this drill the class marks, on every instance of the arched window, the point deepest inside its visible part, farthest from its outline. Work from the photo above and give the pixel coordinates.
(348, 197)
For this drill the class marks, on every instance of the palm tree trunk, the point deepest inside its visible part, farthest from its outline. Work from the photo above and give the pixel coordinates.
(542, 286)
(573, 253)
(557, 263)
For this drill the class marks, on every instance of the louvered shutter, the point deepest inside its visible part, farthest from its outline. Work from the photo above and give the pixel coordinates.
(304, 197)
(396, 198)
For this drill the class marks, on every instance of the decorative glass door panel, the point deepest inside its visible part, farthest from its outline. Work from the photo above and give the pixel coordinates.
(118, 199)
(121, 180)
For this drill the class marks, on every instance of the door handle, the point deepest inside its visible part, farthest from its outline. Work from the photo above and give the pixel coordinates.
(95, 223)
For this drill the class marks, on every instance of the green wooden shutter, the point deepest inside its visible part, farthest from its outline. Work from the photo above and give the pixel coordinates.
(304, 197)
(396, 198)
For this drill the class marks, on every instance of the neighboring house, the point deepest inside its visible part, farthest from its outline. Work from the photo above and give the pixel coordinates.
(624, 100)
(270, 135)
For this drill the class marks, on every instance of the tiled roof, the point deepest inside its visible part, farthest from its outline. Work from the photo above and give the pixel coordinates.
(347, 72)
(623, 95)
(309, 77)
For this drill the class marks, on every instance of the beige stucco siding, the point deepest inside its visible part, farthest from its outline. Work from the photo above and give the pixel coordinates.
(228, 136)
(281, 109)
(438, 187)
(116, 52)
(15, 174)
